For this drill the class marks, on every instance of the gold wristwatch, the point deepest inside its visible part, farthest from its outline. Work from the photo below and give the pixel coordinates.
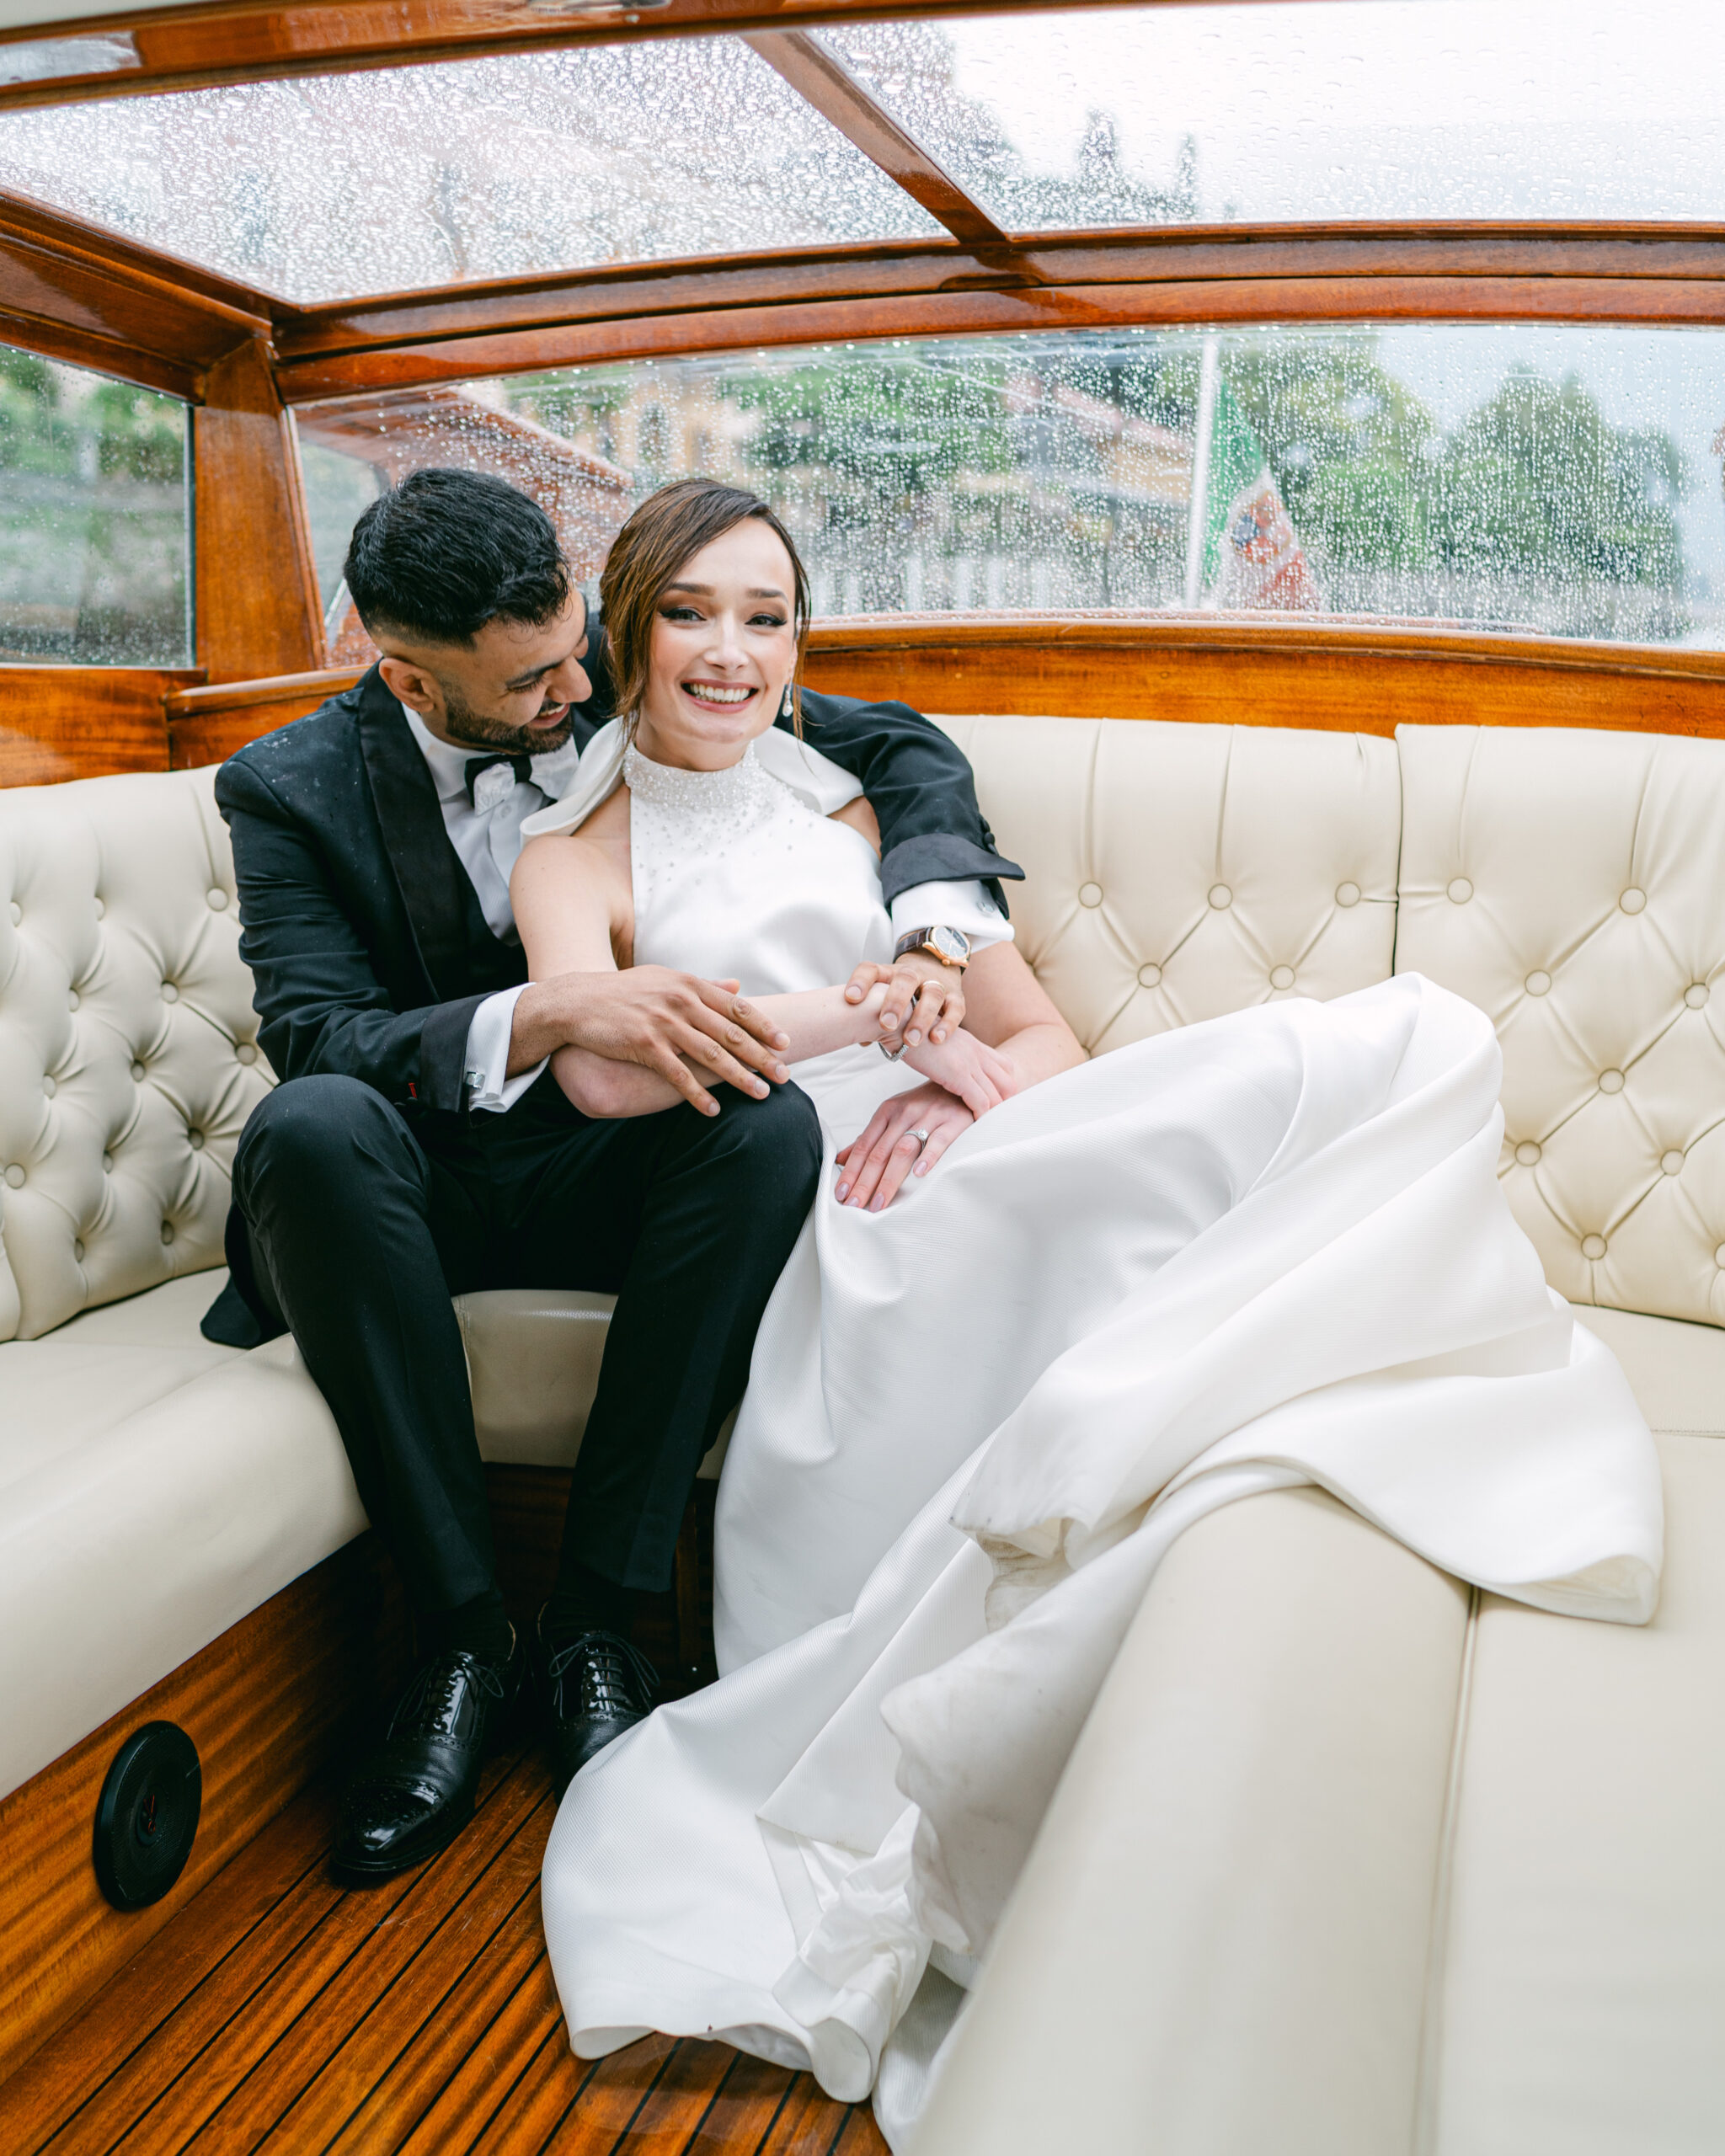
(951, 945)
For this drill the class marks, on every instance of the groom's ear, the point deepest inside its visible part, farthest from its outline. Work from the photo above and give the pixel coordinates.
(411, 684)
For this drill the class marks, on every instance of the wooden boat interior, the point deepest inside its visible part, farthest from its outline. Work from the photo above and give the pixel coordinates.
(263, 377)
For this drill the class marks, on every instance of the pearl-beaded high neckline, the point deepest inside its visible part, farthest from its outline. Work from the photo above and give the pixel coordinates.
(668, 786)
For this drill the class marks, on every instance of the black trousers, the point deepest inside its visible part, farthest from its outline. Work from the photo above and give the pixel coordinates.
(362, 1228)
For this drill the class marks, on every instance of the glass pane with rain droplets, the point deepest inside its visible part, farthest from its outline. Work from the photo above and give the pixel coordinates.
(328, 186)
(1321, 109)
(1559, 481)
(95, 523)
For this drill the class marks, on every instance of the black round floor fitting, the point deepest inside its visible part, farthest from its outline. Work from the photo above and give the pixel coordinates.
(148, 1814)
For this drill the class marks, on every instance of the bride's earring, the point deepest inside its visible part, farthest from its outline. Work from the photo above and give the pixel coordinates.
(784, 709)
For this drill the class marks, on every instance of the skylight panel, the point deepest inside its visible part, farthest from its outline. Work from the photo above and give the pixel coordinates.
(332, 187)
(1326, 110)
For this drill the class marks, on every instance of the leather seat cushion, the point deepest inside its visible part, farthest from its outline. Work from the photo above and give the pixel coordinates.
(154, 1491)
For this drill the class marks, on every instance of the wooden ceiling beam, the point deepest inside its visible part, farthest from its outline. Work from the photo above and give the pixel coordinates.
(1692, 301)
(73, 291)
(822, 80)
(254, 41)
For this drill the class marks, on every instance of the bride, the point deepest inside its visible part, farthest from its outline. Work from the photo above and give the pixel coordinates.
(1046, 1313)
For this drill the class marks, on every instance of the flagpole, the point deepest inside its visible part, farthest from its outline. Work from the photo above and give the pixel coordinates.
(1197, 527)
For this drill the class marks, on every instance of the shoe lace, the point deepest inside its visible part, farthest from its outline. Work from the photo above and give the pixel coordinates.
(613, 1674)
(431, 1704)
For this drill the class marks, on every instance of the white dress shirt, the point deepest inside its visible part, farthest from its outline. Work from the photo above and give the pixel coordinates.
(486, 833)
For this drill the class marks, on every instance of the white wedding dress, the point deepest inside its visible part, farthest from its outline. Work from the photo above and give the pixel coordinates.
(1266, 1250)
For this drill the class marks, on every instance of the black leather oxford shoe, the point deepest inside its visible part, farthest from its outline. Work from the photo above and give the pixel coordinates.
(594, 1688)
(414, 1795)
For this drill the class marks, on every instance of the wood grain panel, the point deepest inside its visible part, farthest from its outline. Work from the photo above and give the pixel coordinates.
(74, 291)
(257, 610)
(73, 722)
(266, 1705)
(1178, 254)
(205, 725)
(1355, 679)
(1387, 298)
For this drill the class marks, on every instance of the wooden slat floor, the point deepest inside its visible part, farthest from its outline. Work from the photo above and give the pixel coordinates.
(278, 2011)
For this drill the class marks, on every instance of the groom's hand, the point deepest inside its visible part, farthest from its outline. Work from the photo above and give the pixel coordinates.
(662, 1020)
(922, 995)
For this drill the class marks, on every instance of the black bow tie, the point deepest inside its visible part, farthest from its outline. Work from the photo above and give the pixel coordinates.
(522, 767)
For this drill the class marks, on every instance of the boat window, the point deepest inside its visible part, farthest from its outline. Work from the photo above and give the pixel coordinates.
(1314, 110)
(397, 178)
(1562, 481)
(95, 539)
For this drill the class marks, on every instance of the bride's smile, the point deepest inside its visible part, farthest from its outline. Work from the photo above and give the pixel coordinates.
(723, 650)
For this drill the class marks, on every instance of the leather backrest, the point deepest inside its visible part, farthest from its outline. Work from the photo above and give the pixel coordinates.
(128, 1045)
(1177, 872)
(1573, 885)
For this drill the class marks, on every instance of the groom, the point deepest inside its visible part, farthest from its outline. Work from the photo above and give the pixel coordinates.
(417, 1147)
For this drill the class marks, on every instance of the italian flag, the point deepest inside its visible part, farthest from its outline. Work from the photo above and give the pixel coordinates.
(1242, 550)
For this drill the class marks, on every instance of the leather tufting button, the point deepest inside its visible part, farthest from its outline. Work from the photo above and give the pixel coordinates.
(1593, 1247)
(1346, 894)
(195, 1139)
(1695, 995)
(1719, 1258)
(1611, 1081)
(1220, 897)
(1538, 983)
(218, 901)
(107, 1164)
(14, 1177)
(1632, 901)
(16, 912)
(170, 994)
(100, 909)
(1148, 976)
(137, 1074)
(78, 1251)
(1281, 976)
(168, 1231)
(1090, 895)
(1671, 1163)
(50, 1088)
(1527, 1154)
(1460, 891)
(246, 1052)
(72, 999)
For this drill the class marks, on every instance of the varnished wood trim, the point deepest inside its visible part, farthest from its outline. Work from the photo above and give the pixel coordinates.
(1329, 676)
(909, 269)
(72, 290)
(75, 722)
(822, 80)
(1695, 302)
(258, 608)
(266, 1705)
(253, 40)
(205, 725)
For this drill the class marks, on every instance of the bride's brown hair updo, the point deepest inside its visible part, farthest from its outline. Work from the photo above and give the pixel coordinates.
(661, 536)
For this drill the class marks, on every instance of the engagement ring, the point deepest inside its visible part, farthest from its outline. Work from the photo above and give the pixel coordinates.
(921, 1138)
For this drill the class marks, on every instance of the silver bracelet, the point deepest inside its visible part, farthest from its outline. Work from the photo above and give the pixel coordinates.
(892, 1054)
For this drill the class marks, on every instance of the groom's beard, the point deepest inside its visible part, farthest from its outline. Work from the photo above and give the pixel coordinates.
(475, 730)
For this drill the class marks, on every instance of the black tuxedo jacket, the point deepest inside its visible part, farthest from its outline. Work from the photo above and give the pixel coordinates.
(368, 951)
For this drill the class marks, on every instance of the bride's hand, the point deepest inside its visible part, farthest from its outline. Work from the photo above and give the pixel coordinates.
(872, 1167)
(981, 1076)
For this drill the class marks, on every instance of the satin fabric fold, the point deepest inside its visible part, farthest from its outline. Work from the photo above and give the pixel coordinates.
(1266, 1250)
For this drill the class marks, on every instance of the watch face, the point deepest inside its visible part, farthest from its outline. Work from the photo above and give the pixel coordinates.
(949, 946)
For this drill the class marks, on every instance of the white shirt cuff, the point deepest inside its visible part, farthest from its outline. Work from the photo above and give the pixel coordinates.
(489, 1086)
(966, 906)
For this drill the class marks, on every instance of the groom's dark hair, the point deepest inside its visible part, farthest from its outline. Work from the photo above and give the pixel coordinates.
(443, 552)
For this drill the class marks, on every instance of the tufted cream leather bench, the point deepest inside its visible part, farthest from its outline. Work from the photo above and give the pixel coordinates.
(1416, 1919)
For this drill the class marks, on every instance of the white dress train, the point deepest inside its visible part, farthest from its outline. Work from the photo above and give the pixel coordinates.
(1266, 1250)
